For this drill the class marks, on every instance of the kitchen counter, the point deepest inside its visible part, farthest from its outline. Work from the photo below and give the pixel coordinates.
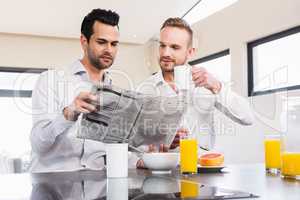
(142, 184)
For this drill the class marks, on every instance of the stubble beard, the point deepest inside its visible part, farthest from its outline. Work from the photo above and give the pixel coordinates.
(167, 68)
(96, 61)
(170, 68)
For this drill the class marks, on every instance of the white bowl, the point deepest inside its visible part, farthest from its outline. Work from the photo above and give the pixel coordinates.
(161, 161)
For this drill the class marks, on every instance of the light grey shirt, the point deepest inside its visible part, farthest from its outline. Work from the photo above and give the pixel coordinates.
(55, 146)
(200, 114)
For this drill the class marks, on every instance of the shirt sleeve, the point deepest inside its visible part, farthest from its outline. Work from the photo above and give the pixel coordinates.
(48, 119)
(234, 106)
(134, 157)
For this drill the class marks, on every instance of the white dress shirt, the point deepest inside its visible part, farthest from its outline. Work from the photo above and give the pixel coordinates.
(199, 117)
(55, 146)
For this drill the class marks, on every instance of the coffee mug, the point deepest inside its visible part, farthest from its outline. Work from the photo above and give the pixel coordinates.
(117, 160)
(183, 77)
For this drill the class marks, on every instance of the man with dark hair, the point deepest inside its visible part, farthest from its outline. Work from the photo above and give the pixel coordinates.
(175, 49)
(60, 96)
(106, 17)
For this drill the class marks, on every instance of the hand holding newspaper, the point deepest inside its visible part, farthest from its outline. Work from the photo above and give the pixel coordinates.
(125, 116)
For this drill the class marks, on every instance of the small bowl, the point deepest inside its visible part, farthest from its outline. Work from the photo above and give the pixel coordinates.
(161, 162)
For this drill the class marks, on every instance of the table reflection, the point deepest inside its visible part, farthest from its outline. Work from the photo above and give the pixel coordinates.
(69, 190)
(68, 185)
(141, 187)
(160, 185)
(117, 189)
(138, 186)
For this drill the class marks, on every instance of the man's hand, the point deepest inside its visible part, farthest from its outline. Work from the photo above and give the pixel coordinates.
(151, 148)
(179, 134)
(202, 78)
(81, 104)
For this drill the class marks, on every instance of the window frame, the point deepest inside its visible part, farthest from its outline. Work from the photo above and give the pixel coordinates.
(251, 45)
(210, 57)
(19, 93)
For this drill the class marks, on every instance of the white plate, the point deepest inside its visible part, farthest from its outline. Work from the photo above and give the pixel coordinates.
(210, 169)
(161, 171)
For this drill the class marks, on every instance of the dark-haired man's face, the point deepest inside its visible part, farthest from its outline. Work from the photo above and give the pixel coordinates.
(103, 45)
(174, 48)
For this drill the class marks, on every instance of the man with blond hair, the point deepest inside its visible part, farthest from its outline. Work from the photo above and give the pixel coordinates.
(176, 49)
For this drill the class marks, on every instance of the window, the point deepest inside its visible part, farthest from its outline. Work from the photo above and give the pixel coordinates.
(217, 64)
(273, 63)
(16, 86)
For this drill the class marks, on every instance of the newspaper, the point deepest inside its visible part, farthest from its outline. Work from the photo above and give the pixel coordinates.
(125, 116)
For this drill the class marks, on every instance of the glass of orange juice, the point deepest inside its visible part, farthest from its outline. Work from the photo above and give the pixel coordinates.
(188, 155)
(290, 118)
(291, 165)
(273, 149)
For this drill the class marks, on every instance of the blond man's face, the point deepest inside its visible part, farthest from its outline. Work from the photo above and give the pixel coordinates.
(174, 49)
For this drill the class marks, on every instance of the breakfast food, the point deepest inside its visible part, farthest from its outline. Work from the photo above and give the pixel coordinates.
(211, 159)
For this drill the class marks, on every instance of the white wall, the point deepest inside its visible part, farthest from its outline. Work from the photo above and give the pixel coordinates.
(232, 28)
(41, 52)
(130, 66)
(44, 52)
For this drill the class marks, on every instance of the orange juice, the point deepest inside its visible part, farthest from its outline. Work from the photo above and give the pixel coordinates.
(188, 155)
(290, 164)
(273, 153)
(188, 189)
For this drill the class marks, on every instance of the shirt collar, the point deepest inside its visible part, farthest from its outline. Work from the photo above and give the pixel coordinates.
(78, 69)
(159, 78)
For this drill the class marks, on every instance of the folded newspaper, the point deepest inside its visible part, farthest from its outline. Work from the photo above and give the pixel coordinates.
(125, 116)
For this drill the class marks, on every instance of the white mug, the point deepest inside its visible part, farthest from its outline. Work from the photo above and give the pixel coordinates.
(117, 160)
(183, 77)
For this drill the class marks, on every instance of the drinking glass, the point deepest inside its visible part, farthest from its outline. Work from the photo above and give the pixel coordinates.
(290, 167)
(188, 155)
(273, 149)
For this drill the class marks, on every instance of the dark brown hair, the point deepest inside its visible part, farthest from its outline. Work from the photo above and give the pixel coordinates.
(105, 16)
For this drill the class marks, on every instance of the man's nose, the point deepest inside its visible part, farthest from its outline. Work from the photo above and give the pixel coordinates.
(166, 51)
(109, 48)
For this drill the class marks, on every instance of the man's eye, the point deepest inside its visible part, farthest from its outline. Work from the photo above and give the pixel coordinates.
(114, 44)
(162, 45)
(101, 42)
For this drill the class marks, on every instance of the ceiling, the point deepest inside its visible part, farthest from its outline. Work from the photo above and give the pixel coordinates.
(140, 19)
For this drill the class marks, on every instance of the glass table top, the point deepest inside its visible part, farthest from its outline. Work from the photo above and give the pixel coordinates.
(138, 186)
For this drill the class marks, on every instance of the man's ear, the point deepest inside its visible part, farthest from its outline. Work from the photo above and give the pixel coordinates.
(83, 42)
(191, 52)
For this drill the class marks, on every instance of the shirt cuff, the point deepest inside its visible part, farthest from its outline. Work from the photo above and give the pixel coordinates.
(221, 96)
(60, 124)
(133, 158)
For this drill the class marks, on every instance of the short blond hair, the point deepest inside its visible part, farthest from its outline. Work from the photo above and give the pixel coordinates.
(179, 23)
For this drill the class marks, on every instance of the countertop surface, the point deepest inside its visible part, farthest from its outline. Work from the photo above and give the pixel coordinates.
(142, 184)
